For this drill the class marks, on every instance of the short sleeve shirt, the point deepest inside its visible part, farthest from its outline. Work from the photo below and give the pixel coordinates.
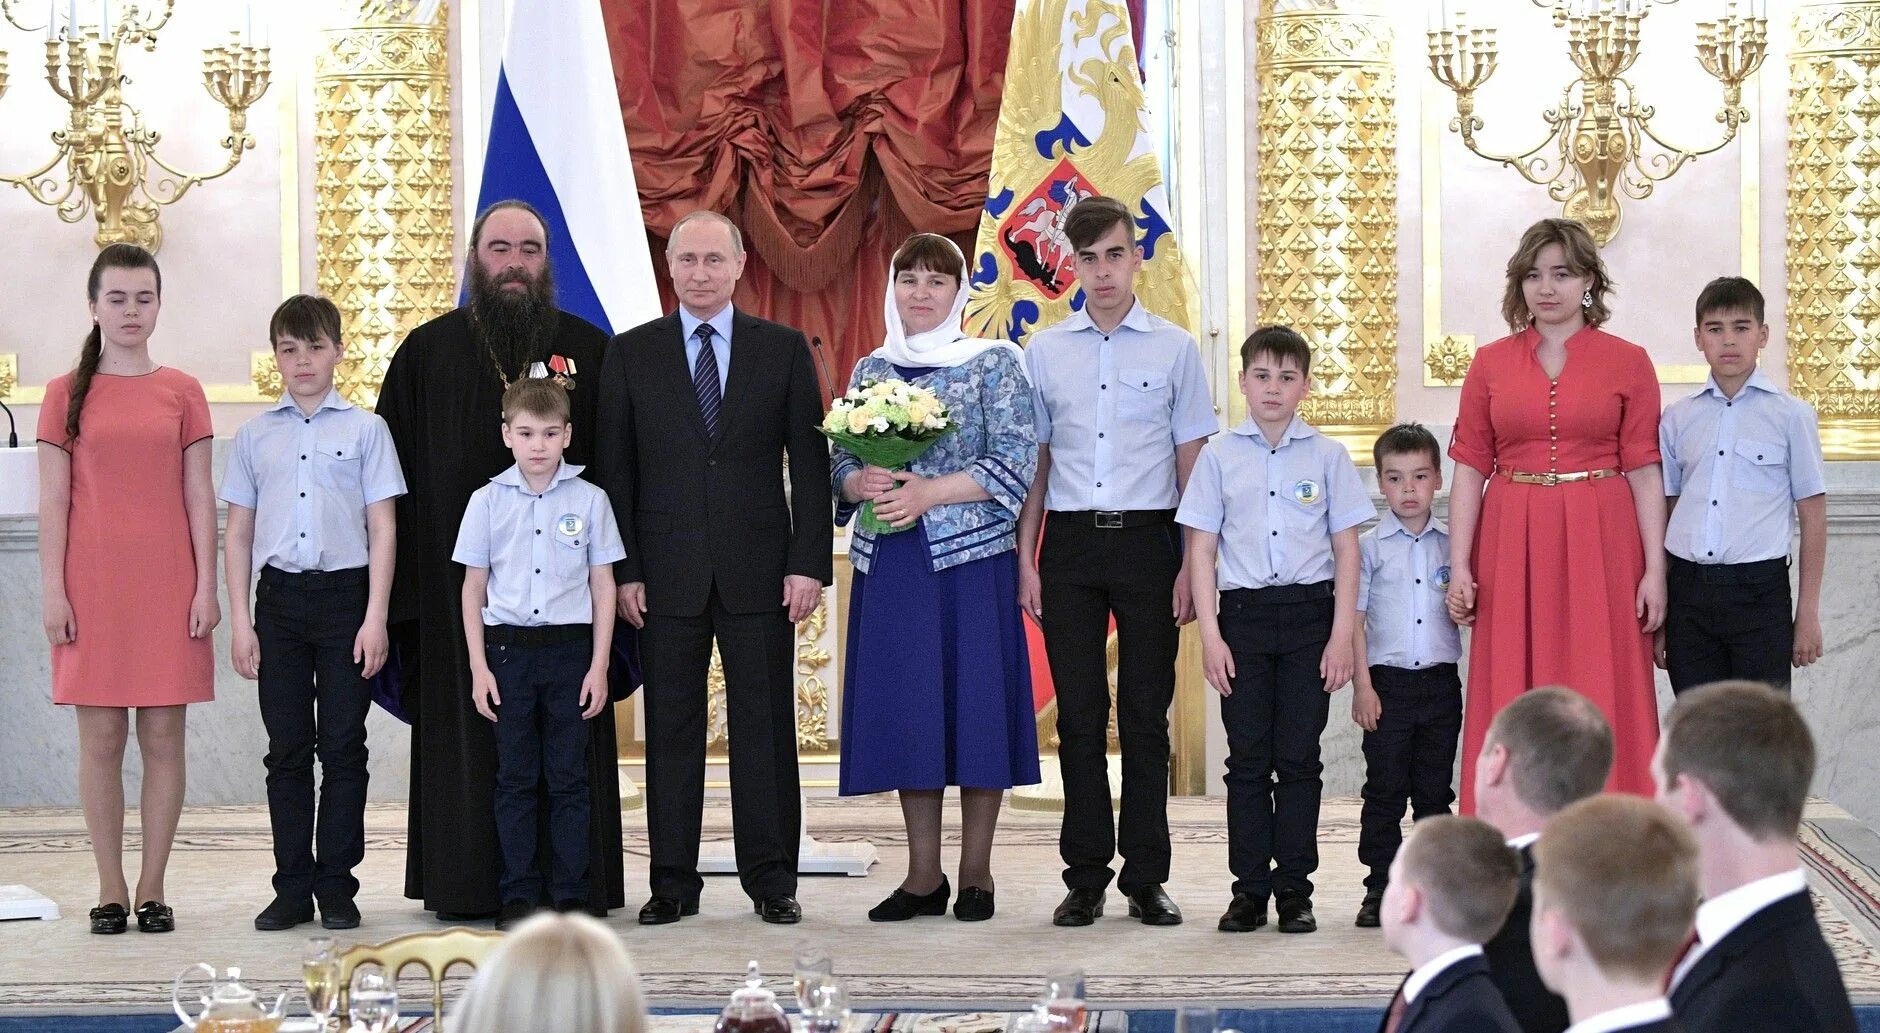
(538, 548)
(1402, 579)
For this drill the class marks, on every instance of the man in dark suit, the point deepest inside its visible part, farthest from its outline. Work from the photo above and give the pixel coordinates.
(1735, 763)
(1549, 748)
(1615, 887)
(698, 410)
(1450, 888)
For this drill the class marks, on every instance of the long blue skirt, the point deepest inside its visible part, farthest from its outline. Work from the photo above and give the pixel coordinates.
(937, 688)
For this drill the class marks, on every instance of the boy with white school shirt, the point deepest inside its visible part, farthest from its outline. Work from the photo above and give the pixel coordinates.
(1450, 888)
(1735, 764)
(1742, 460)
(1615, 887)
(311, 487)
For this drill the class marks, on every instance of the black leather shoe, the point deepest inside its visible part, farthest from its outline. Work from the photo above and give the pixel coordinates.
(783, 910)
(1153, 906)
(974, 905)
(460, 917)
(1295, 915)
(110, 919)
(284, 913)
(902, 905)
(339, 914)
(1080, 907)
(153, 917)
(1245, 914)
(666, 910)
(513, 912)
(1369, 916)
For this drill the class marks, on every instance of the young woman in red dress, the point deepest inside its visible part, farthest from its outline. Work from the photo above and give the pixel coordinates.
(1557, 514)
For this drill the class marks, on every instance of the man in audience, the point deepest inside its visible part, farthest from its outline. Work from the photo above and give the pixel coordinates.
(1735, 763)
(1450, 888)
(1615, 886)
(1549, 748)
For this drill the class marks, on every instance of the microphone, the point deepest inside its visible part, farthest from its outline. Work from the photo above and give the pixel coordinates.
(13, 434)
(825, 375)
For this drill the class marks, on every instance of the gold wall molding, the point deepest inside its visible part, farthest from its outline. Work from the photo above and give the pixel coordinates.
(1834, 217)
(383, 209)
(1327, 218)
(1446, 359)
(9, 375)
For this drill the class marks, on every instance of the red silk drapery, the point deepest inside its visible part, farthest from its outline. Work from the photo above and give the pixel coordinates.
(828, 129)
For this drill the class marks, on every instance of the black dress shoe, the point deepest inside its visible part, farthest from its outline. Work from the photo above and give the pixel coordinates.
(110, 919)
(284, 913)
(573, 904)
(465, 916)
(513, 912)
(1080, 907)
(1295, 915)
(782, 910)
(902, 905)
(973, 905)
(665, 910)
(153, 917)
(1369, 912)
(339, 914)
(1153, 906)
(1245, 914)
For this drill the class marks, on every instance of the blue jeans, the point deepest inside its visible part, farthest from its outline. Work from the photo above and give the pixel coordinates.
(541, 738)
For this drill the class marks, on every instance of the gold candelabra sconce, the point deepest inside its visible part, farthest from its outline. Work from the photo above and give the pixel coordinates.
(111, 167)
(1600, 129)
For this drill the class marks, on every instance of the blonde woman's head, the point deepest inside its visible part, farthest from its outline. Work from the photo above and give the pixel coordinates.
(553, 974)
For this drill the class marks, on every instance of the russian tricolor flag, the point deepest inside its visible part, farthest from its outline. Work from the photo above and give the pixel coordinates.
(557, 141)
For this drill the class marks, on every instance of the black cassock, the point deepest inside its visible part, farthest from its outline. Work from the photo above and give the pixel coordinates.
(442, 399)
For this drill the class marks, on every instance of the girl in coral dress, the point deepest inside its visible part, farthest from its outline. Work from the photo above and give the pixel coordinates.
(127, 564)
(1557, 515)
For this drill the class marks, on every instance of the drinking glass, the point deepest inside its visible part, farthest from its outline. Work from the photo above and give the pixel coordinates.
(814, 967)
(374, 1002)
(319, 973)
(1064, 999)
(828, 1007)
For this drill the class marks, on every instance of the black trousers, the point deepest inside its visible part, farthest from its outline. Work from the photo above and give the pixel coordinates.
(1728, 621)
(1411, 756)
(760, 702)
(1088, 574)
(314, 704)
(1274, 718)
(541, 742)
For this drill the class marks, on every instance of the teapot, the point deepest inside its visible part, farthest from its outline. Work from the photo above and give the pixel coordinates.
(752, 1009)
(228, 1007)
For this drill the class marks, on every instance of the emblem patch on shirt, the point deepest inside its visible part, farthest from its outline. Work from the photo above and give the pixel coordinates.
(1308, 492)
(570, 525)
(1442, 578)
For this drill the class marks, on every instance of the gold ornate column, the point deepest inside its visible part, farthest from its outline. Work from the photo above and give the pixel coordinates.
(1834, 218)
(1327, 222)
(382, 185)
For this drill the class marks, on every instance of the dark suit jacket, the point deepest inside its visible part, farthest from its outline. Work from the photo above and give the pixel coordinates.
(1775, 971)
(1461, 999)
(697, 512)
(1511, 963)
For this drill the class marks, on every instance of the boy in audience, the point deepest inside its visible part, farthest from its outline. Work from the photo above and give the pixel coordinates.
(1450, 888)
(1550, 748)
(1735, 763)
(1615, 887)
(1408, 695)
(1742, 460)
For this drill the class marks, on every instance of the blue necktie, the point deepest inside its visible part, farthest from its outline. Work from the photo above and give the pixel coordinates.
(705, 380)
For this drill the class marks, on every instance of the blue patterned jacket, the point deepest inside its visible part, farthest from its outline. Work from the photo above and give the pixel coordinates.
(993, 439)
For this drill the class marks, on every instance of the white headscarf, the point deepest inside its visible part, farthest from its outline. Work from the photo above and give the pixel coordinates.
(944, 345)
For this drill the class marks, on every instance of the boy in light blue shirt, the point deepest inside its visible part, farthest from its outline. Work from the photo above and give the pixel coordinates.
(1278, 505)
(1408, 698)
(538, 545)
(311, 487)
(1742, 461)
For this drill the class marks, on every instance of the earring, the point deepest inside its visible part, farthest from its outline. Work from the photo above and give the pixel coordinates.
(1586, 300)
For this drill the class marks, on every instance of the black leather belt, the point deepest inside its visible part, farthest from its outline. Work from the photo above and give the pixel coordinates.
(1280, 594)
(543, 635)
(1732, 573)
(1113, 519)
(312, 579)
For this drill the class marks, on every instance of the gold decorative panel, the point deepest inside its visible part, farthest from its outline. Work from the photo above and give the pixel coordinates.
(1834, 219)
(9, 374)
(383, 211)
(1327, 222)
(812, 693)
(1446, 360)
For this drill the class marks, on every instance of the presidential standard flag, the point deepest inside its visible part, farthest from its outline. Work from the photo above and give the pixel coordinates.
(1072, 123)
(557, 141)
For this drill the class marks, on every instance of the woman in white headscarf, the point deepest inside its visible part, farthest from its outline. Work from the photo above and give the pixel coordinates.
(937, 681)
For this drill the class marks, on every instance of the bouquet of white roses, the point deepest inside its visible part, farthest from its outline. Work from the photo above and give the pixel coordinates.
(886, 423)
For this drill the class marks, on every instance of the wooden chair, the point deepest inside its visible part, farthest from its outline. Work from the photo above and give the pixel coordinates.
(433, 952)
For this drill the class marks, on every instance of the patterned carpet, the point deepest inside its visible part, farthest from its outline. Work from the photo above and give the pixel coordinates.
(219, 878)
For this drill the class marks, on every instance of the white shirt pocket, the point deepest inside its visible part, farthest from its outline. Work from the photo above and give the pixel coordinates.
(1145, 395)
(1761, 467)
